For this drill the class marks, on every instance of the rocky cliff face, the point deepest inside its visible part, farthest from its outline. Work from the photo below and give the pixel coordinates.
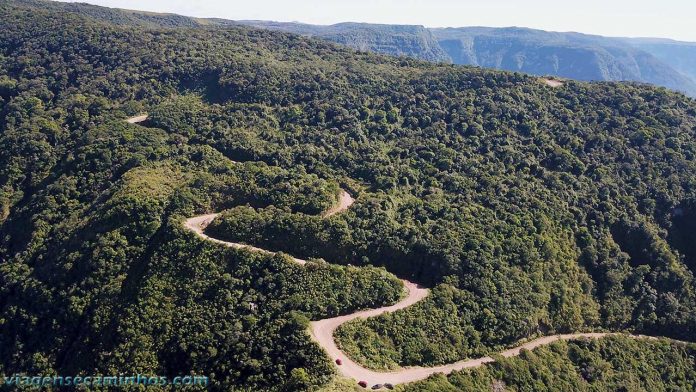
(570, 55)
(395, 40)
(664, 63)
(679, 55)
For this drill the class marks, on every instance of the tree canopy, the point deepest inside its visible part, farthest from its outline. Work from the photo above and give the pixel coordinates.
(529, 209)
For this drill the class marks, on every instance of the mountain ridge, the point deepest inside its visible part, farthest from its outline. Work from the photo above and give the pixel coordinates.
(573, 55)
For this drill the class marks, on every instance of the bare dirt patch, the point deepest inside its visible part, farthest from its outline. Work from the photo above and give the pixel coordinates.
(552, 82)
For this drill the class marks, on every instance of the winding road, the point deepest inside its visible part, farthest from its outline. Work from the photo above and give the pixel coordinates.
(322, 330)
(198, 224)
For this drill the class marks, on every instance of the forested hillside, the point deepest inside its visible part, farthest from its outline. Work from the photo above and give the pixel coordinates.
(528, 209)
(570, 55)
(394, 40)
(612, 364)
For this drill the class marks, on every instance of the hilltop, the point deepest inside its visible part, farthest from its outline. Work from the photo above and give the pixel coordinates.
(577, 56)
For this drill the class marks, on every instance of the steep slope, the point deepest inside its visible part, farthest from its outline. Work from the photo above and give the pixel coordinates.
(612, 364)
(323, 331)
(394, 40)
(527, 209)
(571, 55)
(679, 55)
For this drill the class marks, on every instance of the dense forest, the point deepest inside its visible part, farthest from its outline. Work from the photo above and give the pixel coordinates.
(575, 56)
(537, 52)
(529, 210)
(611, 364)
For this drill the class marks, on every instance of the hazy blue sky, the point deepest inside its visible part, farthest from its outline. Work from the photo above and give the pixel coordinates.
(645, 18)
